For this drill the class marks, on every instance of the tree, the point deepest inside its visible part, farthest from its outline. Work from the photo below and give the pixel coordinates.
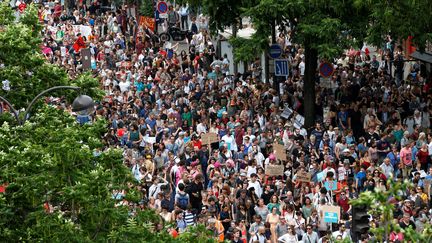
(399, 19)
(60, 177)
(378, 201)
(23, 64)
(147, 8)
(60, 184)
(317, 25)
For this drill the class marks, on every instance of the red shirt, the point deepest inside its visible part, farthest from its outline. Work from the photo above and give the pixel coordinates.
(344, 204)
(423, 156)
(197, 143)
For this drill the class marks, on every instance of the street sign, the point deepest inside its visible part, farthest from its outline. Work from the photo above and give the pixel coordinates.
(275, 51)
(162, 8)
(281, 67)
(331, 213)
(326, 69)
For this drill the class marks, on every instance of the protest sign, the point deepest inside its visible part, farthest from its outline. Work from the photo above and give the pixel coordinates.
(280, 151)
(427, 186)
(299, 121)
(286, 112)
(83, 29)
(209, 138)
(86, 58)
(331, 213)
(303, 176)
(147, 22)
(330, 185)
(274, 170)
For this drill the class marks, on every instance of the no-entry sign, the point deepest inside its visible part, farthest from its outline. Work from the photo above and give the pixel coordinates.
(326, 69)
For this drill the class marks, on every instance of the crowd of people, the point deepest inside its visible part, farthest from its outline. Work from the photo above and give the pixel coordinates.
(372, 125)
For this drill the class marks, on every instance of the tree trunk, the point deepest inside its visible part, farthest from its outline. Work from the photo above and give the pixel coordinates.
(266, 66)
(234, 34)
(311, 63)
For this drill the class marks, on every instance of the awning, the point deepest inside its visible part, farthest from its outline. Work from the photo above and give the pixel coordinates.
(425, 56)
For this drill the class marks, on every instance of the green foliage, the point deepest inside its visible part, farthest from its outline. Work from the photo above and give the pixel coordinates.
(399, 19)
(24, 65)
(50, 159)
(146, 8)
(378, 202)
(244, 49)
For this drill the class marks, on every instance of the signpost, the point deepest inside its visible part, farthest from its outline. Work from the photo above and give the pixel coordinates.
(162, 8)
(281, 67)
(326, 69)
(275, 51)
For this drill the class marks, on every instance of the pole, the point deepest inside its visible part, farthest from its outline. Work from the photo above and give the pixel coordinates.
(15, 112)
(27, 111)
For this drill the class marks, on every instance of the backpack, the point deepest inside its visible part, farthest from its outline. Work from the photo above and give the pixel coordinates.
(183, 201)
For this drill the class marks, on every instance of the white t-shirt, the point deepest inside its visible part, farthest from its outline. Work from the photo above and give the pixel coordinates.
(302, 68)
(124, 86)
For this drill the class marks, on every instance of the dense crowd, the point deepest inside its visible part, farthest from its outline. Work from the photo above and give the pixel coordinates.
(372, 125)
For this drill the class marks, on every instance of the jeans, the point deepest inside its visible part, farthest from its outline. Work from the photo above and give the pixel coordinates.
(184, 22)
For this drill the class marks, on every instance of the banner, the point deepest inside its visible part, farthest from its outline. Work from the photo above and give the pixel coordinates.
(147, 22)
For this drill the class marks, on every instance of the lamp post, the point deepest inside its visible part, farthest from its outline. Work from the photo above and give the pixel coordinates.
(82, 104)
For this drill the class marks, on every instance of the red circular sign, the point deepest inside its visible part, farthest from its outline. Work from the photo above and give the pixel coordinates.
(162, 7)
(326, 69)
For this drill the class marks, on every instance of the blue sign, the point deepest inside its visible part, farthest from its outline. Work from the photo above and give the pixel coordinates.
(162, 7)
(326, 69)
(330, 217)
(330, 185)
(281, 67)
(275, 51)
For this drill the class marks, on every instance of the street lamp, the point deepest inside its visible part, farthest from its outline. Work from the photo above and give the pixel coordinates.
(83, 104)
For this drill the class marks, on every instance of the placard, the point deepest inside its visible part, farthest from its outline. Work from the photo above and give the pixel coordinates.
(280, 151)
(303, 176)
(86, 58)
(286, 113)
(298, 121)
(209, 138)
(147, 22)
(320, 176)
(274, 170)
(330, 185)
(427, 186)
(331, 213)
(422, 173)
(83, 29)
